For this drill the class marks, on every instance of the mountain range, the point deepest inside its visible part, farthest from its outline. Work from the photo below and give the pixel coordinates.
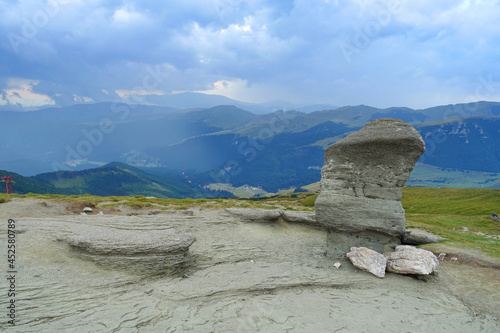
(113, 179)
(228, 144)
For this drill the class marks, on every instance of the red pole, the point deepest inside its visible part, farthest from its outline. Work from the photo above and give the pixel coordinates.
(8, 184)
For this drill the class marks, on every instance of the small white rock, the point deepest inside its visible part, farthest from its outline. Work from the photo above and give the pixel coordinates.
(87, 210)
(337, 265)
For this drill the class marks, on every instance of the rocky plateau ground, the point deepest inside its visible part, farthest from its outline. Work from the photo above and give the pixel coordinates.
(241, 275)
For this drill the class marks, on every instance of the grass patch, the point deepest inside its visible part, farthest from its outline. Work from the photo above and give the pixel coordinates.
(460, 215)
(452, 201)
(475, 232)
(310, 200)
(4, 198)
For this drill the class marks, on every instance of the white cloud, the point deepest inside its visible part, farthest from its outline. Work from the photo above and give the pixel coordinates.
(21, 92)
(241, 90)
(425, 51)
(229, 88)
(82, 99)
(127, 15)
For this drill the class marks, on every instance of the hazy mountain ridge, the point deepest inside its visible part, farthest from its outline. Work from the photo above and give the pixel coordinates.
(23, 185)
(469, 144)
(115, 179)
(275, 150)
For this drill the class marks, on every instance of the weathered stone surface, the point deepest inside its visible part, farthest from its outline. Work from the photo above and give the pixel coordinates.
(273, 215)
(172, 212)
(255, 214)
(246, 277)
(419, 237)
(336, 242)
(142, 251)
(362, 180)
(368, 260)
(300, 217)
(410, 260)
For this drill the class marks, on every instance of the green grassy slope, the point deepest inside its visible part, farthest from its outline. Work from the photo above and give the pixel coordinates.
(451, 201)
(115, 179)
(431, 176)
(460, 215)
(23, 185)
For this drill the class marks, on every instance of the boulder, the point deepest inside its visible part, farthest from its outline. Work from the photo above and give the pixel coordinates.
(495, 216)
(368, 260)
(139, 251)
(410, 260)
(361, 185)
(419, 237)
(87, 210)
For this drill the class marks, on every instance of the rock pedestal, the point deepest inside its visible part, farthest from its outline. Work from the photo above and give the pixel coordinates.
(361, 186)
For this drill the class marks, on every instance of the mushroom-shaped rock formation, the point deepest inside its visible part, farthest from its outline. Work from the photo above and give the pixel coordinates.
(361, 186)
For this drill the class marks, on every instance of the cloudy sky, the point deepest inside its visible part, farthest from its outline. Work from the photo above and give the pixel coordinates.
(380, 53)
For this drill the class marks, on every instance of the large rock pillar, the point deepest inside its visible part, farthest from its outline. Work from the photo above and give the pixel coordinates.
(361, 186)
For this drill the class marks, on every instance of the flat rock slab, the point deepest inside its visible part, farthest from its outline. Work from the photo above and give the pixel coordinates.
(368, 260)
(256, 214)
(273, 215)
(139, 250)
(410, 260)
(419, 237)
(300, 217)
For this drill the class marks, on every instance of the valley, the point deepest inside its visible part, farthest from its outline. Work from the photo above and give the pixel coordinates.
(183, 152)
